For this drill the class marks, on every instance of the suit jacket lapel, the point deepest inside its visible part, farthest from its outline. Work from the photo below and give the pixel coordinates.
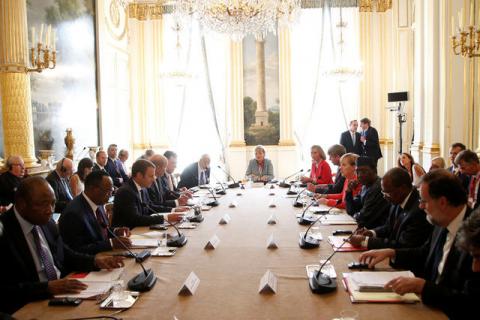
(21, 247)
(91, 219)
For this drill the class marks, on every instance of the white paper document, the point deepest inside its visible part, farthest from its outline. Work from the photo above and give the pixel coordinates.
(340, 219)
(145, 243)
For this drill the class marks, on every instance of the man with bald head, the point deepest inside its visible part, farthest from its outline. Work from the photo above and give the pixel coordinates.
(10, 180)
(34, 256)
(196, 174)
(158, 192)
(59, 180)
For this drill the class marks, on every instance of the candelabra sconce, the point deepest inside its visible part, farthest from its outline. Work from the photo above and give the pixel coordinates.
(43, 54)
(467, 44)
(41, 58)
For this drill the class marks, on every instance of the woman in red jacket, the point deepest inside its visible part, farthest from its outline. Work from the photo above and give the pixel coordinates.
(320, 172)
(347, 167)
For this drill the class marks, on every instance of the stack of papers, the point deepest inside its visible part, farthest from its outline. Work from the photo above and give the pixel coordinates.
(343, 219)
(328, 269)
(338, 244)
(98, 282)
(366, 286)
(145, 243)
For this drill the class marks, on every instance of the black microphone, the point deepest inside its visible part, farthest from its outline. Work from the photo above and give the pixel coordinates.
(223, 191)
(232, 185)
(296, 203)
(144, 281)
(304, 220)
(176, 241)
(213, 203)
(321, 282)
(309, 242)
(283, 184)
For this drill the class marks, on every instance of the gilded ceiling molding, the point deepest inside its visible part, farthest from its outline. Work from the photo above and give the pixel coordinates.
(374, 5)
(148, 11)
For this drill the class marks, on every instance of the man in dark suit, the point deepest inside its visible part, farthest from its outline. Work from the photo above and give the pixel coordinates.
(406, 225)
(196, 174)
(335, 152)
(442, 270)
(369, 140)
(132, 206)
(369, 208)
(350, 139)
(114, 167)
(469, 165)
(83, 225)
(10, 180)
(100, 161)
(59, 180)
(34, 256)
(158, 192)
(454, 150)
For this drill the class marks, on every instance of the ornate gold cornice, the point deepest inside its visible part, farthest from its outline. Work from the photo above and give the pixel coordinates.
(286, 143)
(15, 68)
(237, 144)
(434, 148)
(147, 11)
(374, 5)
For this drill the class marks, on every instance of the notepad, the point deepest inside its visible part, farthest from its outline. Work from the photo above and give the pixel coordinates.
(376, 279)
(145, 243)
(341, 219)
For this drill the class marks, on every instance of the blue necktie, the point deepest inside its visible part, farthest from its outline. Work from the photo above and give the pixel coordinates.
(47, 263)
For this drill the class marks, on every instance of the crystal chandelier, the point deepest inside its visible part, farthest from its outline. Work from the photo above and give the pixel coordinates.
(177, 72)
(343, 70)
(239, 18)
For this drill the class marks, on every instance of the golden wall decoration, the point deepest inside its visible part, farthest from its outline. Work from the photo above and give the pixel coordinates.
(146, 11)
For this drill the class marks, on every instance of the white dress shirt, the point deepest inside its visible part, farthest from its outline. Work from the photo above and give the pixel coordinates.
(27, 228)
(451, 235)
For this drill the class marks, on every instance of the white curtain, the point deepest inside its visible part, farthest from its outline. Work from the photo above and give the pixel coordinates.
(322, 107)
(196, 121)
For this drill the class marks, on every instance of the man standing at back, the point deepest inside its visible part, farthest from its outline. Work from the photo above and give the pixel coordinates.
(114, 167)
(350, 139)
(369, 140)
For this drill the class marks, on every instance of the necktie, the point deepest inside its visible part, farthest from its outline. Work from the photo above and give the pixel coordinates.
(170, 182)
(471, 196)
(47, 263)
(101, 223)
(398, 220)
(202, 178)
(159, 189)
(67, 189)
(353, 139)
(432, 272)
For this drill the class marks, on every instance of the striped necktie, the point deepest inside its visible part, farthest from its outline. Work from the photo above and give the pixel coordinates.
(47, 263)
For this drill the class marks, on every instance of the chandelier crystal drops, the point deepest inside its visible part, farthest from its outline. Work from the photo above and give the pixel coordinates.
(239, 18)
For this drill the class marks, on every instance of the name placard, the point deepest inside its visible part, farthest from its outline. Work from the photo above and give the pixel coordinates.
(190, 285)
(272, 204)
(272, 219)
(268, 283)
(225, 219)
(271, 243)
(212, 243)
(233, 204)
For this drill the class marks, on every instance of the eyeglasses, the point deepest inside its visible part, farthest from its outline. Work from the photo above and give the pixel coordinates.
(18, 164)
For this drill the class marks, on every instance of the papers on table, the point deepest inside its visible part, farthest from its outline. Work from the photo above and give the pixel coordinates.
(187, 225)
(328, 269)
(314, 235)
(163, 252)
(98, 282)
(338, 244)
(343, 219)
(145, 243)
(152, 235)
(362, 285)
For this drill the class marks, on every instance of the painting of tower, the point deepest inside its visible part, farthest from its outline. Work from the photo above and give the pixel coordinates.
(261, 103)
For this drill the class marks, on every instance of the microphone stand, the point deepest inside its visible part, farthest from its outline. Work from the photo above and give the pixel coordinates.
(213, 203)
(322, 282)
(297, 204)
(223, 191)
(232, 185)
(176, 241)
(304, 221)
(144, 281)
(309, 242)
(283, 184)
